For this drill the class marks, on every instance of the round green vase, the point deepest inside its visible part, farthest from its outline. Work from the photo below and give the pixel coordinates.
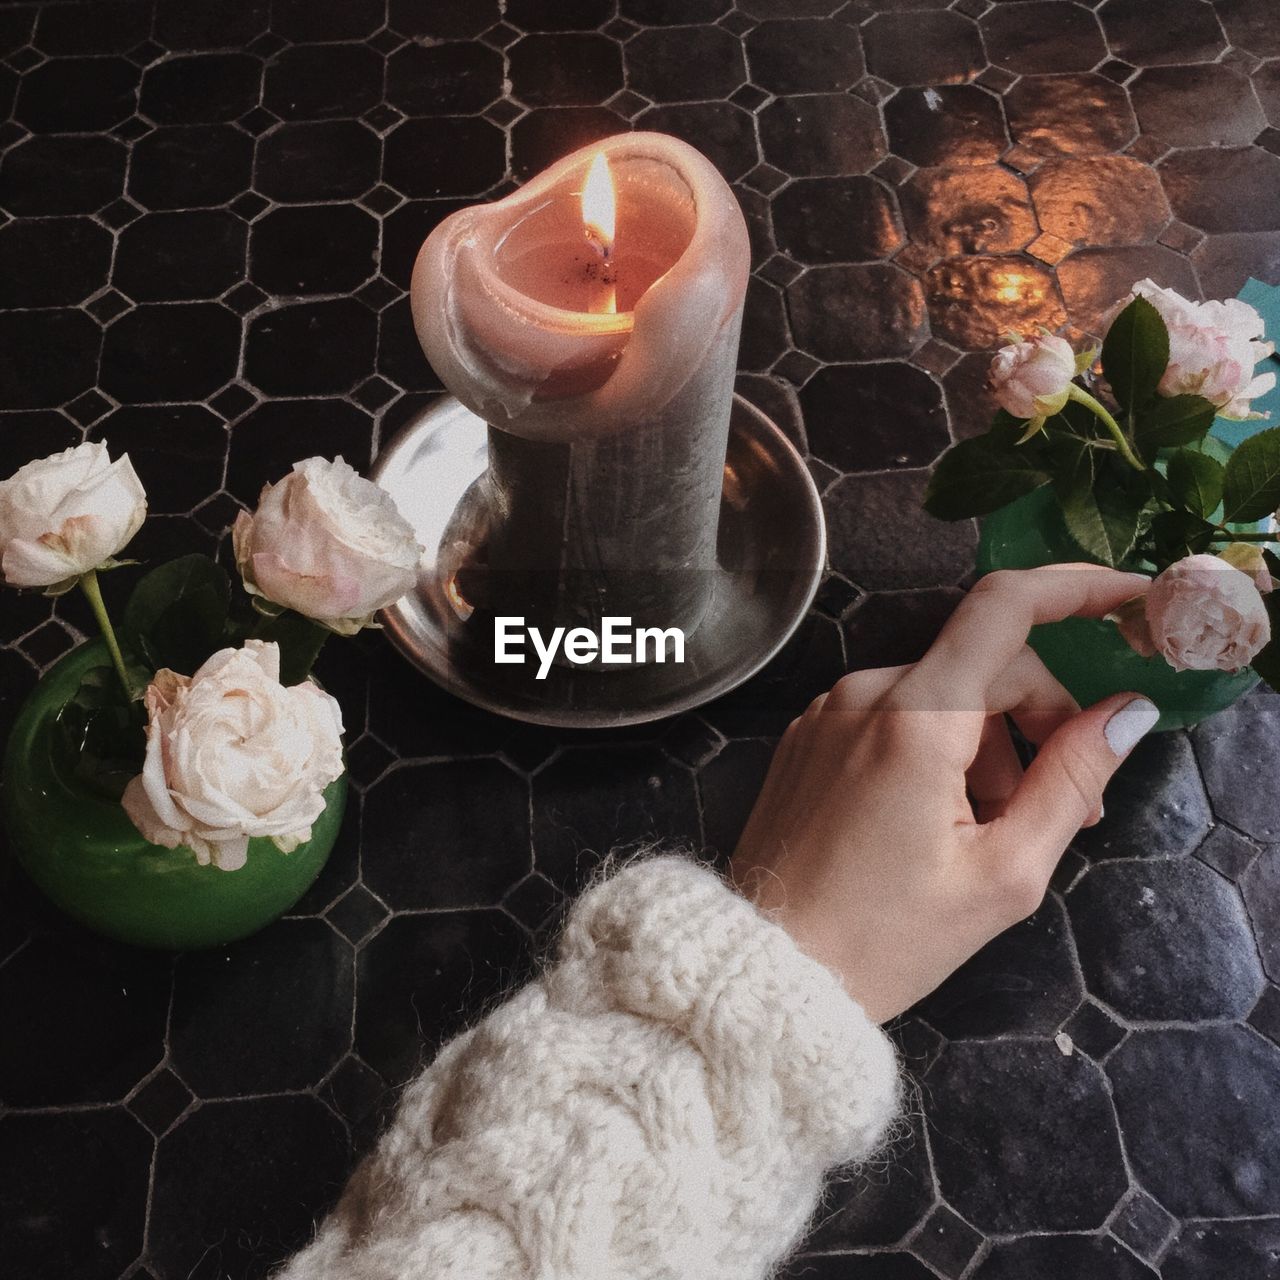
(85, 855)
(1088, 656)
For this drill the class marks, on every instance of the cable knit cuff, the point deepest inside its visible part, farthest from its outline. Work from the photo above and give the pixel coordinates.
(672, 942)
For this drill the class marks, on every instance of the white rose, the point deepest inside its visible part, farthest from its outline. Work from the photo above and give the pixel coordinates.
(231, 754)
(1201, 614)
(328, 544)
(1213, 347)
(64, 515)
(1032, 379)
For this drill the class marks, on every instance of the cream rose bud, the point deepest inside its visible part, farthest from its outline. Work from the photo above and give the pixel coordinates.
(328, 544)
(1200, 614)
(66, 514)
(1032, 379)
(1213, 347)
(233, 754)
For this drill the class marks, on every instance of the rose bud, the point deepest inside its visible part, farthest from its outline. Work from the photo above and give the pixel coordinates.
(64, 515)
(1032, 379)
(328, 544)
(1200, 614)
(232, 754)
(1213, 347)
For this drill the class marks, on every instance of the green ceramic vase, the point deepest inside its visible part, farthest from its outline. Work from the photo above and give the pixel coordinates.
(85, 855)
(1090, 657)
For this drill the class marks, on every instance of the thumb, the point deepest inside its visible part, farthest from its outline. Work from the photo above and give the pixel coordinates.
(1062, 788)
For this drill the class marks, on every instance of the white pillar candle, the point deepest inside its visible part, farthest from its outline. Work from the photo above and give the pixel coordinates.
(603, 358)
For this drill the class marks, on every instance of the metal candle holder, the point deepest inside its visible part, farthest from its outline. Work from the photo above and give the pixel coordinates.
(602, 384)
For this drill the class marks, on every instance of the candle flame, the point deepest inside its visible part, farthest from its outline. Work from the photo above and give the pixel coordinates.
(599, 204)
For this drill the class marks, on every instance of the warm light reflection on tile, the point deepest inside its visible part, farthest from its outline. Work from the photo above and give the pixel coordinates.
(974, 301)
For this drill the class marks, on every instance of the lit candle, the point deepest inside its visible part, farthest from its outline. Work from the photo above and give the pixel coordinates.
(592, 319)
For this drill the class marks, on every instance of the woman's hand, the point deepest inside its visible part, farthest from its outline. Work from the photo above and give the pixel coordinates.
(897, 833)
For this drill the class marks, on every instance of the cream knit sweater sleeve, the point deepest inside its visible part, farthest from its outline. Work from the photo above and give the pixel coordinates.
(660, 1105)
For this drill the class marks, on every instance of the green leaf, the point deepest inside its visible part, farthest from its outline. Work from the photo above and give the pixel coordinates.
(1177, 534)
(1252, 489)
(1167, 423)
(979, 475)
(300, 642)
(1136, 354)
(1267, 663)
(1102, 506)
(177, 614)
(1195, 481)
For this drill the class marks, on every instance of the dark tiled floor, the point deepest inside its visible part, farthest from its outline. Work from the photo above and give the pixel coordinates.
(209, 217)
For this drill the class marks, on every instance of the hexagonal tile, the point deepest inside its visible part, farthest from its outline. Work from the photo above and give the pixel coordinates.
(323, 81)
(824, 220)
(177, 450)
(878, 1207)
(1024, 982)
(179, 256)
(1075, 200)
(1165, 941)
(77, 95)
(564, 70)
(1070, 114)
(857, 312)
(1227, 1078)
(48, 262)
(923, 48)
(997, 1106)
(108, 1032)
(975, 300)
(443, 79)
(420, 818)
(190, 166)
(821, 134)
(1043, 36)
(310, 348)
(881, 539)
(272, 1013)
(1188, 31)
(588, 800)
(1045, 1257)
(1223, 189)
(313, 249)
(803, 56)
(227, 1162)
(444, 156)
(967, 211)
(160, 352)
(948, 124)
(74, 1192)
(56, 175)
(1093, 281)
(321, 160)
(869, 417)
(422, 977)
(1203, 106)
(201, 88)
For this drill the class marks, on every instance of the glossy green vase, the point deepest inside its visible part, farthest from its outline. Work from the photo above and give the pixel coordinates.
(1090, 657)
(86, 856)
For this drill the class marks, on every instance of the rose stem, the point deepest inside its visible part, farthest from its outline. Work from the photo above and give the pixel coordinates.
(1225, 535)
(1081, 396)
(89, 585)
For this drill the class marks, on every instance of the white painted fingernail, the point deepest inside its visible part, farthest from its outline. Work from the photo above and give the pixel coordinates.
(1130, 725)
